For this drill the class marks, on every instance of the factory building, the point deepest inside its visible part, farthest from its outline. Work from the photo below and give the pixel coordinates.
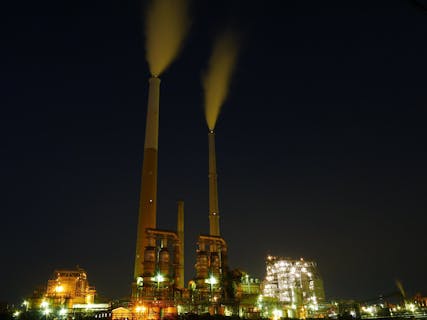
(294, 286)
(70, 287)
(67, 292)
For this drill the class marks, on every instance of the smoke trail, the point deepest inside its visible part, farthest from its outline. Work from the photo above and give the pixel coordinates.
(217, 79)
(167, 23)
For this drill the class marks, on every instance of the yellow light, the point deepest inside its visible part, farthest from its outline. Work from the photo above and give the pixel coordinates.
(16, 314)
(25, 303)
(411, 307)
(139, 281)
(140, 309)
(44, 304)
(158, 278)
(211, 280)
(59, 289)
(46, 311)
(62, 312)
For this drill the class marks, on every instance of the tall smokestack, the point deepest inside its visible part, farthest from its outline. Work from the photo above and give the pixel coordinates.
(213, 188)
(148, 196)
(180, 231)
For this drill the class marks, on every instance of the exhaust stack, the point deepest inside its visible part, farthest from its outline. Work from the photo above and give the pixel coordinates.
(180, 232)
(148, 195)
(213, 188)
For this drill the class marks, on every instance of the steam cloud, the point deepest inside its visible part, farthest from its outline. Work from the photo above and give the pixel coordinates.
(167, 23)
(217, 79)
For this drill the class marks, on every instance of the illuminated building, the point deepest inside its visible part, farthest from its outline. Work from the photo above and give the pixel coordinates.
(68, 291)
(295, 285)
(70, 287)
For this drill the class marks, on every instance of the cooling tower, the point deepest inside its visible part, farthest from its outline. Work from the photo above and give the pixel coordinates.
(148, 195)
(213, 188)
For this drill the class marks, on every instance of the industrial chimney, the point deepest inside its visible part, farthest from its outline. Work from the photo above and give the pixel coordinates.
(180, 232)
(148, 195)
(213, 188)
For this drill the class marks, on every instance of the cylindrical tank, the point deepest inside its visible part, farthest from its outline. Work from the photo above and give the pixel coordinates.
(202, 265)
(215, 265)
(176, 255)
(164, 260)
(149, 261)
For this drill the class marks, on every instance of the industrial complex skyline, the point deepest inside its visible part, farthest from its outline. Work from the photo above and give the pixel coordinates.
(320, 146)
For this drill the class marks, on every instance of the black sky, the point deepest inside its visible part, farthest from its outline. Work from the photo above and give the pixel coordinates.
(321, 143)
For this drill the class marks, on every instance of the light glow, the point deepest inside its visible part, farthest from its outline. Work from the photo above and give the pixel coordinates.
(295, 283)
(277, 314)
(140, 309)
(47, 311)
(158, 278)
(211, 280)
(59, 289)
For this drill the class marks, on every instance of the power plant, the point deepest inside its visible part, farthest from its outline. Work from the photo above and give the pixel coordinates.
(158, 286)
(159, 270)
(159, 257)
(211, 255)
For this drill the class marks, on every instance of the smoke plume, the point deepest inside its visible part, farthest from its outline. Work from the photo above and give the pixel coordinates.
(217, 79)
(167, 23)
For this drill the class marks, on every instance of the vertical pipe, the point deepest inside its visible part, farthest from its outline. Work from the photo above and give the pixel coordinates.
(148, 195)
(213, 188)
(180, 231)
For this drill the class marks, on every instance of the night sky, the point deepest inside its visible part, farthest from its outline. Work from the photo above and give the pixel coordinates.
(321, 144)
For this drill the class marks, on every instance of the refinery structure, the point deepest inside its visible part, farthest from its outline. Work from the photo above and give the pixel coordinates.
(295, 285)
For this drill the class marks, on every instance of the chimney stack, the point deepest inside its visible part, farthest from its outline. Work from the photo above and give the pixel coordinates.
(213, 188)
(180, 232)
(148, 195)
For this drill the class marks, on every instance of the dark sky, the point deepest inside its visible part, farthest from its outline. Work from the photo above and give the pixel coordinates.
(321, 144)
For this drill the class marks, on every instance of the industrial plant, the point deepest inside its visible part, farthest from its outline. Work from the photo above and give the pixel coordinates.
(67, 293)
(292, 288)
(295, 285)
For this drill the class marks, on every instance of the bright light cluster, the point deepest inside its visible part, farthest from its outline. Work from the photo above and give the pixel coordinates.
(72, 285)
(292, 282)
